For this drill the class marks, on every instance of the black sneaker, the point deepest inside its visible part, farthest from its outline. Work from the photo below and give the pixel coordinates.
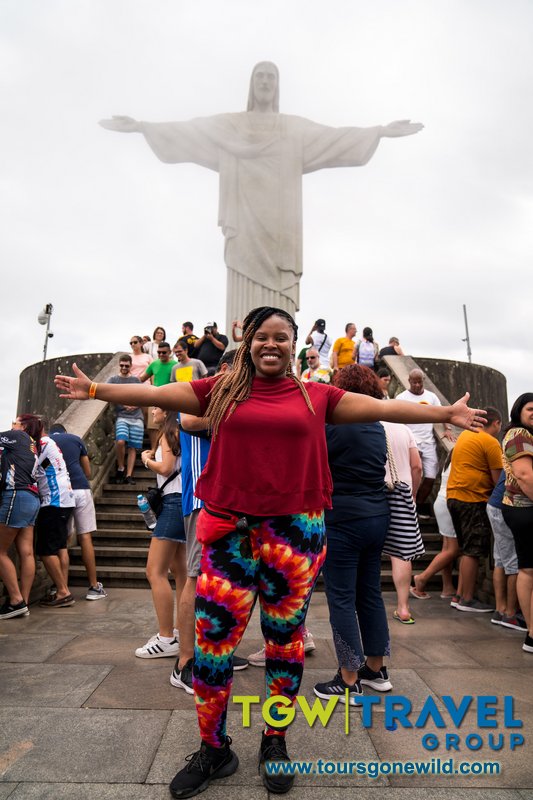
(474, 605)
(376, 680)
(274, 748)
(18, 610)
(336, 687)
(182, 678)
(119, 476)
(514, 622)
(528, 644)
(207, 764)
(239, 663)
(130, 480)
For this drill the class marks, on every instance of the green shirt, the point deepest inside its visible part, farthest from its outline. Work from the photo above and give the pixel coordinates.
(160, 372)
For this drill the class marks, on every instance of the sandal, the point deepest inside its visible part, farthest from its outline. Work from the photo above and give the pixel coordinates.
(409, 621)
(419, 595)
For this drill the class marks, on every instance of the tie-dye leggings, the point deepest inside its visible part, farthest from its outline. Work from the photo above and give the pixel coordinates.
(279, 559)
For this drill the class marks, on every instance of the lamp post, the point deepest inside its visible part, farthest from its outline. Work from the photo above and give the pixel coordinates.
(44, 319)
(467, 338)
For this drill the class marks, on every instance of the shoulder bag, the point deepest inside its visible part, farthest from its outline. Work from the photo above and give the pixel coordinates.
(155, 494)
(404, 539)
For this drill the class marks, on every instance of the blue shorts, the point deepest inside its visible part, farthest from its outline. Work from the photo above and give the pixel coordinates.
(170, 521)
(130, 431)
(18, 508)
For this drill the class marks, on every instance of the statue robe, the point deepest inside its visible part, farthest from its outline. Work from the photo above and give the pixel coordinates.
(261, 158)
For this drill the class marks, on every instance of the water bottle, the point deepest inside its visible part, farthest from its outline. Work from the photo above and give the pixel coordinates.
(149, 516)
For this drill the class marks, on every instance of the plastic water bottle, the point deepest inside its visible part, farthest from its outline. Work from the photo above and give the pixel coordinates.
(149, 516)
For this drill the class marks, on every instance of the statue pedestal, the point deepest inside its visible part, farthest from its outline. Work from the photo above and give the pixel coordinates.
(243, 294)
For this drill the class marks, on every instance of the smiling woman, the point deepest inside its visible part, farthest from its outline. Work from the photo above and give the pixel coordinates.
(268, 472)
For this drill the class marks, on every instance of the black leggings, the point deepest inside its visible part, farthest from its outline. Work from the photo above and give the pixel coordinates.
(520, 521)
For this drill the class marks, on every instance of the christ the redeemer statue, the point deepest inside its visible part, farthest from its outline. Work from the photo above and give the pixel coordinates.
(261, 156)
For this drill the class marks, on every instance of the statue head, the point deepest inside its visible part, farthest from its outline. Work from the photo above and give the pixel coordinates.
(264, 87)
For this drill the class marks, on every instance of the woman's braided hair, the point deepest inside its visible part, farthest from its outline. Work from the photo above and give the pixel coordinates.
(235, 386)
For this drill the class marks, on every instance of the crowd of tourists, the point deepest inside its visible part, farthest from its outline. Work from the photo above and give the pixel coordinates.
(258, 455)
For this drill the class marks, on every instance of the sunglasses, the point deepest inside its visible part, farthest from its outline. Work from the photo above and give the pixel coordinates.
(134, 341)
(124, 366)
(163, 352)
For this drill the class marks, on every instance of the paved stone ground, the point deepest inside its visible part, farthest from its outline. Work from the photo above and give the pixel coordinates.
(82, 719)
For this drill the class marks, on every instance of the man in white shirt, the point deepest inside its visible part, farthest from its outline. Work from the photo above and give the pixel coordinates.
(315, 371)
(423, 433)
(319, 338)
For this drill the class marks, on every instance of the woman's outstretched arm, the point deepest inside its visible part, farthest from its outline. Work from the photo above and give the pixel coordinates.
(362, 408)
(175, 396)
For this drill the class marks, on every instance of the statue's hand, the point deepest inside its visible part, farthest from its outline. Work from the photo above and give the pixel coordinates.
(121, 124)
(401, 127)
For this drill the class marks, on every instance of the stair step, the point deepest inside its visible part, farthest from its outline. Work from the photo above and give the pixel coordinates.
(121, 534)
(118, 489)
(117, 576)
(107, 552)
(120, 516)
(122, 501)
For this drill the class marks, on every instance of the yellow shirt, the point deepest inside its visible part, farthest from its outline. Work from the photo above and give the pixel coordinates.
(344, 349)
(473, 458)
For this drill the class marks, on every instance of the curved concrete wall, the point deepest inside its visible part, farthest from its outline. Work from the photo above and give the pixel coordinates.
(37, 393)
(487, 386)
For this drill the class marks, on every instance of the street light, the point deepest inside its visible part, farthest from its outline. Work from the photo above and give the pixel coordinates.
(44, 319)
(467, 337)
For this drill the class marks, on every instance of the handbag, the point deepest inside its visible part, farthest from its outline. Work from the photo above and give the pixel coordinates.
(404, 539)
(155, 494)
(214, 523)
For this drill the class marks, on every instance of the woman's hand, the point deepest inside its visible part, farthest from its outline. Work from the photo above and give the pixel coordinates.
(145, 455)
(73, 388)
(471, 419)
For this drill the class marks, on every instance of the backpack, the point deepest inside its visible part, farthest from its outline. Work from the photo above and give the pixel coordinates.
(366, 354)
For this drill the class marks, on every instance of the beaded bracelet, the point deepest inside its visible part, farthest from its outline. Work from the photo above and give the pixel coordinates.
(92, 391)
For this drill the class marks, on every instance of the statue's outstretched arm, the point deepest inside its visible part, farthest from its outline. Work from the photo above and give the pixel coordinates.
(121, 124)
(401, 127)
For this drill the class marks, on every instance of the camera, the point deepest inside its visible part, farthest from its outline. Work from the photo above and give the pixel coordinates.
(208, 329)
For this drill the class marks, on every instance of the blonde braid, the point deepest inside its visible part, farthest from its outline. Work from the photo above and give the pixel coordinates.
(235, 386)
(290, 374)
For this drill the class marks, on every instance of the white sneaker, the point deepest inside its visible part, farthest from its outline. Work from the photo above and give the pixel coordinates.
(155, 637)
(257, 659)
(155, 648)
(309, 642)
(96, 592)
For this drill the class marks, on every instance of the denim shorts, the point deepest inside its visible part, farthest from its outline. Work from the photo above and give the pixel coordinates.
(170, 521)
(18, 508)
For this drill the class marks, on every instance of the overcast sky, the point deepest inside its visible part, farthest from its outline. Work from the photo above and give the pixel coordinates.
(92, 222)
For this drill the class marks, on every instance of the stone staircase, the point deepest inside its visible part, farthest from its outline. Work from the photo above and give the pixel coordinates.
(121, 541)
